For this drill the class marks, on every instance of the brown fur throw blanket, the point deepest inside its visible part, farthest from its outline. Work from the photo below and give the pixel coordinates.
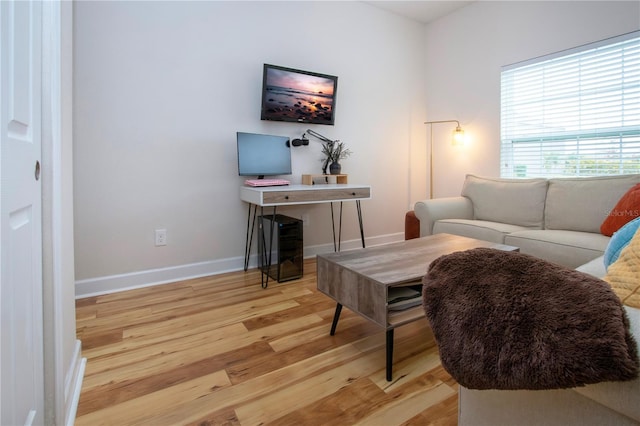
(506, 320)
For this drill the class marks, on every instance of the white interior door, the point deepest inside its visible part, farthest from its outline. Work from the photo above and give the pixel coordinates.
(21, 354)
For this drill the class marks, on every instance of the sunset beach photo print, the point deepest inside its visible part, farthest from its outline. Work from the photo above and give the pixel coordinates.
(293, 95)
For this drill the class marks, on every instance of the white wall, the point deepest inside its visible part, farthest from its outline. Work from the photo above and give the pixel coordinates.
(464, 53)
(162, 87)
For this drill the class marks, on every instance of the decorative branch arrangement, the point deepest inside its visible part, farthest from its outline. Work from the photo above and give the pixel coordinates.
(333, 152)
(339, 152)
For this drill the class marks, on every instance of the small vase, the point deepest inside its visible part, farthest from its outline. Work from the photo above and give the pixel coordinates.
(335, 168)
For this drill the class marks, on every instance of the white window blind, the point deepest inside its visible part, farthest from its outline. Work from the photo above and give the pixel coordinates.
(576, 113)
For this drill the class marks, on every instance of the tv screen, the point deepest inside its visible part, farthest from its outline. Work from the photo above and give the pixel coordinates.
(301, 96)
(263, 155)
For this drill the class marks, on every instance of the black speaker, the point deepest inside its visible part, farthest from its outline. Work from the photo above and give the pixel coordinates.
(283, 234)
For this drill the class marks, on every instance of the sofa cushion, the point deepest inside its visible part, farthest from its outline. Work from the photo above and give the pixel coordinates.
(619, 241)
(627, 209)
(515, 201)
(478, 229)
(567, 248)
(594, 267)
(624, 273)
(581, 204)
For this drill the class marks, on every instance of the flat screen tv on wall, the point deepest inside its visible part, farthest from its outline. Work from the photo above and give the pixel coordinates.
(298, 96)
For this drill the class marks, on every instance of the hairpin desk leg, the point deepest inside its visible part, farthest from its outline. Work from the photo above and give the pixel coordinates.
(336, 317)
(266, 256)
(249, 239)
(360, 221)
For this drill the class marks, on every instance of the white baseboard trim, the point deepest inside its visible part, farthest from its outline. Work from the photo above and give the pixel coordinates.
(114, 283)
(73, 384)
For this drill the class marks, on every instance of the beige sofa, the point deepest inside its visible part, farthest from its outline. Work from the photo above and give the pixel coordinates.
(557, 220)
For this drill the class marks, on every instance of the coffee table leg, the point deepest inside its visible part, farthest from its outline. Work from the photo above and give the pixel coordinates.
(336, 317)
(389, 354)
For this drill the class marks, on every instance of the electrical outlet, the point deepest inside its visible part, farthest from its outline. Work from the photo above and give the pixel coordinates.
(305, 219)
(161, 237)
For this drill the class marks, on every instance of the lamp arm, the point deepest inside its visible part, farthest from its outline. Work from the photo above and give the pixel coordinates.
(325, 140)
(319, 136)
(443, 121)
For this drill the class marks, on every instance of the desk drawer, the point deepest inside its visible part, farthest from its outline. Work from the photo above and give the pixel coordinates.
(316, 195)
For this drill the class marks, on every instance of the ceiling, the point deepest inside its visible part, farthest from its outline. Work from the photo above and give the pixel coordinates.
(423, 11)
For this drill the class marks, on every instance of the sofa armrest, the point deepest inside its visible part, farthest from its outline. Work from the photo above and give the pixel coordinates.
(429, 211)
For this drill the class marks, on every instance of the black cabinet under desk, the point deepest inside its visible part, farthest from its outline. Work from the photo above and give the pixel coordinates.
(291, 195)
(283, 234)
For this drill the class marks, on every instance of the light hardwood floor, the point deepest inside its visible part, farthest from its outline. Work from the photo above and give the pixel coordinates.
(221, 350)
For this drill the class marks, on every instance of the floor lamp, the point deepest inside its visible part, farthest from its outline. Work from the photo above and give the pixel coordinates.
(458, 139)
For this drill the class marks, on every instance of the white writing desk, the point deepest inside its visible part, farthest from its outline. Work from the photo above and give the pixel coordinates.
(289, 195)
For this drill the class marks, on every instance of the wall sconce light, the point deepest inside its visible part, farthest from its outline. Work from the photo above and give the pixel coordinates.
(456, 140)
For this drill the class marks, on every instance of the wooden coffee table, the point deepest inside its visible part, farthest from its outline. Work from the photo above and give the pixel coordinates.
(363, 279)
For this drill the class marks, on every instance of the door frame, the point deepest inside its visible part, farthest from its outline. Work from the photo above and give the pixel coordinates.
(63, 364)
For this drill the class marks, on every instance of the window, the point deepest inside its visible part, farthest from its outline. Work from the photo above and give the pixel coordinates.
(576, 113)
